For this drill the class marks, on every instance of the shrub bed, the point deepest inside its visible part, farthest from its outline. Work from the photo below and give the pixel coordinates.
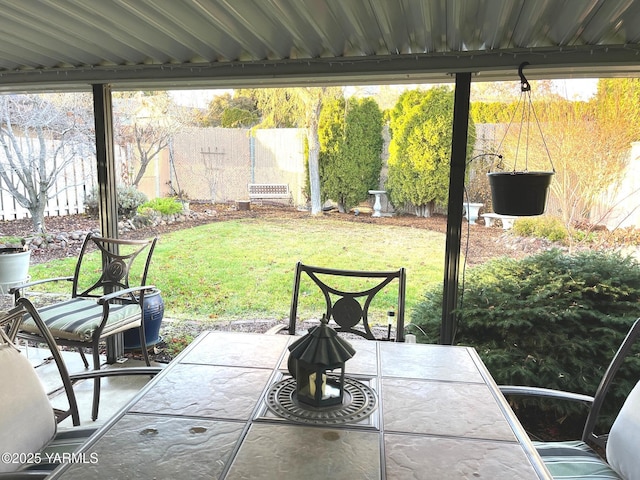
(552, 320)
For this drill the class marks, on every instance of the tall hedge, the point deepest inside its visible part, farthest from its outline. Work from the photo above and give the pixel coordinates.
(351, 142)
(420, 149)
(552, 320)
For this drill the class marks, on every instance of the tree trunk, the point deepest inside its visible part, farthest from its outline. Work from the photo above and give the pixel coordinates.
(314, 153)
(424, 210)
(144, 161)
(37, 215)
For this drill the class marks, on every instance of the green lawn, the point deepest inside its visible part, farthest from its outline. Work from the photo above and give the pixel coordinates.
(244, 268)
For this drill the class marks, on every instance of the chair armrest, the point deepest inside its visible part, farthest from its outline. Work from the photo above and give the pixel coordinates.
(13, 290)
(25, 475)
(115, 372)
(545, 392)
(118, 293)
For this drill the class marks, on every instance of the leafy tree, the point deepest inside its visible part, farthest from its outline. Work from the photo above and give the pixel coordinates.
(244, 108)
(280, 107)
(297, 107)
(351, 146)
(331, 126)
(238, 118)
(420, 149)
(145, 125)
(616, 103)
(40, 136)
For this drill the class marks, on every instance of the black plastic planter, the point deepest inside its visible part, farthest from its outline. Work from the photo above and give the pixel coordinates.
(520, 194)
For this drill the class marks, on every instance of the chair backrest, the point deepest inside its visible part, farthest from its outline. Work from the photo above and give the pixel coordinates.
(344, 306)
(27, 422)
(624, 437)
(125, 264)
(588, 435)
(16, 315)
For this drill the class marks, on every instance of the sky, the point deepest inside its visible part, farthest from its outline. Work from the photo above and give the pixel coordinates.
(572, 89)
(578, 88)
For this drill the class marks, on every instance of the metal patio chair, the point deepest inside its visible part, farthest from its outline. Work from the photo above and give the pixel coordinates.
(28, 422)
(344, 307)
(105, 300)
(579, 459)
(8, 324)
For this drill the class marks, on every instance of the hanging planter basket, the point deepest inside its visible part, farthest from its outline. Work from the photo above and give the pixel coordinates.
(519, 194)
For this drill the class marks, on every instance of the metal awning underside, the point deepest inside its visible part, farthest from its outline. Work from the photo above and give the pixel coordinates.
(70, 44)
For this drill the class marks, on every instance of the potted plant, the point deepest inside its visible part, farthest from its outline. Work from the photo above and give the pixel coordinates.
(14, 265)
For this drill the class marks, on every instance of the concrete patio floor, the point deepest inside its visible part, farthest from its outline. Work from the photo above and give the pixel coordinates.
(115, 391)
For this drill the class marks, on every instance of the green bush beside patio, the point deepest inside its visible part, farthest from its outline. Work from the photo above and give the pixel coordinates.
(552, 320)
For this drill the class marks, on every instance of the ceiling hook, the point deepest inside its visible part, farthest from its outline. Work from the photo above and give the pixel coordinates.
(524, 83)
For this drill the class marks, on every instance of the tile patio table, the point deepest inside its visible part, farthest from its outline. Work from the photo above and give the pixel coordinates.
(437, 414)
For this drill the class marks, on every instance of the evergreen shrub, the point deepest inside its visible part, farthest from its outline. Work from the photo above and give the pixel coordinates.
(547, 227)
(129, 198)
(164, 206)
(552, 320)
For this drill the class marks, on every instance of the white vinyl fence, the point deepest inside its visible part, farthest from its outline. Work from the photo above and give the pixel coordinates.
(66, 196)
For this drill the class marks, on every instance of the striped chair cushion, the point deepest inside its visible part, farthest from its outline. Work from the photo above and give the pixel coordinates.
(77, 319)
(573, 460)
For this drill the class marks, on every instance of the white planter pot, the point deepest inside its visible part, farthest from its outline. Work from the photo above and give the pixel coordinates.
(471, 211)
(14, 267)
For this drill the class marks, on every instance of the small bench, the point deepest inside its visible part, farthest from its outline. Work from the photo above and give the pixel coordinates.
(507, 220)
(269, 191)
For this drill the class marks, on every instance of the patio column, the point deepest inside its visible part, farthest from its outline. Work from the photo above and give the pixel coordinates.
(454, 211)
(107, 201)
(107, 182)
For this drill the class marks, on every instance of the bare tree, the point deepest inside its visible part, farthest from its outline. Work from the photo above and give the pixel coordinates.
(40, 136)
(145, 123)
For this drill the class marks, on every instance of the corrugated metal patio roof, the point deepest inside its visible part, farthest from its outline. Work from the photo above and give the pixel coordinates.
(231, 43)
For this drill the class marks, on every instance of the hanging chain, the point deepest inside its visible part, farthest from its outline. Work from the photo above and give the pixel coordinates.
(527, 112)
(544, 142)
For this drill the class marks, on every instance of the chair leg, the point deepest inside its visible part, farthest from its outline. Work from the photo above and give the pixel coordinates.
(143, 346)
(96, 381)
(83, 356)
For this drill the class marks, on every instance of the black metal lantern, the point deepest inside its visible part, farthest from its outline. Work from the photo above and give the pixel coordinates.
(313, 362)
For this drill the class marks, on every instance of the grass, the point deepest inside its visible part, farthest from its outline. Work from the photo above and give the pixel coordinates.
(244, 268)
(10, 240)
